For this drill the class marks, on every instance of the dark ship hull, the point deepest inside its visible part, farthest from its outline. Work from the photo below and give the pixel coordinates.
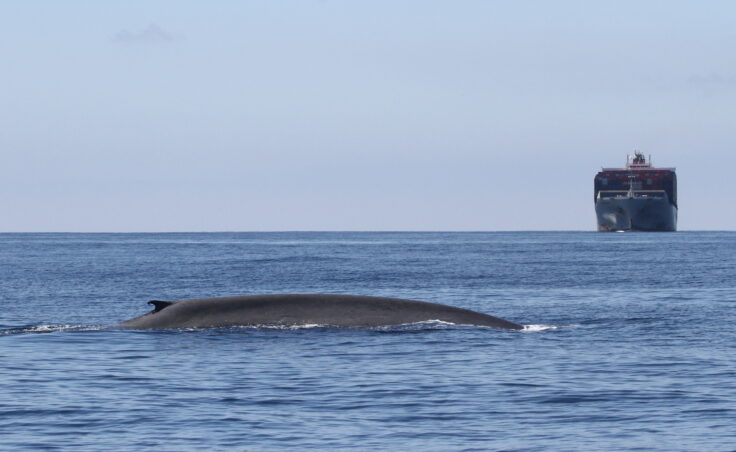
(638, 197)
(636, 214)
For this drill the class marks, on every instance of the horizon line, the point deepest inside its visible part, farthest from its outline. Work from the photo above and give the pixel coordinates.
(346, 230)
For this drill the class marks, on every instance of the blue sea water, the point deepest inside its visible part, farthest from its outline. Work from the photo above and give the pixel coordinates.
(630, 343)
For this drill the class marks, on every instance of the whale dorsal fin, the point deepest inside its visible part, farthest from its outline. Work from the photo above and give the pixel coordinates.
(159, 305)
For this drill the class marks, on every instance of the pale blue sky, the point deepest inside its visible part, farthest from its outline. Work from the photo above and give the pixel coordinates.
(346, 115)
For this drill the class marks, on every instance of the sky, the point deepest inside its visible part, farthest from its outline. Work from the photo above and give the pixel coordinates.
(157, 116)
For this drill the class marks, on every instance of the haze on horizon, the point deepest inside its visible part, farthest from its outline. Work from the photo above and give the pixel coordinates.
(380, 115)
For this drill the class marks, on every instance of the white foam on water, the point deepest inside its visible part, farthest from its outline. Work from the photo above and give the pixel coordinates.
(539, 327)
(432, 322)
(306, 325)
(48, 329)
(419, 325)
(423, 325)
(286, 327)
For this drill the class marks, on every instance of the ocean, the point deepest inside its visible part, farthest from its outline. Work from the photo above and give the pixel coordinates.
(629, 343)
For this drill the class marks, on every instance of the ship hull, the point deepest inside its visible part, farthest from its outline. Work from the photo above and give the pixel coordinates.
(636, 214)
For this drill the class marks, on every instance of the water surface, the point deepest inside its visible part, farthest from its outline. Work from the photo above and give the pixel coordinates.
(630, 344)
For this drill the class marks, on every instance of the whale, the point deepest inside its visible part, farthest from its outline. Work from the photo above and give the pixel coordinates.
(333, 310)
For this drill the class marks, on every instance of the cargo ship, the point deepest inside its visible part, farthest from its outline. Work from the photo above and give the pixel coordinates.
(638, 197)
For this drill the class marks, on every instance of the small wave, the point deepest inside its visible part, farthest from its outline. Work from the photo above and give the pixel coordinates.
(40, 329)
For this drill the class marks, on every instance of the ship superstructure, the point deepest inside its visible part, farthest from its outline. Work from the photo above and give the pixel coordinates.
(638, 197)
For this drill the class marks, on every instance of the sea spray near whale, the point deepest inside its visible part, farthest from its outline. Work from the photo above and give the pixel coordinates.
(305, 309)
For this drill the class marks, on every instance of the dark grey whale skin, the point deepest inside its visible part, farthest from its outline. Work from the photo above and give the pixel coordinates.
(304, 309)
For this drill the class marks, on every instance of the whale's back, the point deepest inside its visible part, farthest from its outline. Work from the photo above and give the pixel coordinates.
(305, 309)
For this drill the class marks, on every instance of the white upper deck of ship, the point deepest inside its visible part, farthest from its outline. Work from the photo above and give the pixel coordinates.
(638, 162)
